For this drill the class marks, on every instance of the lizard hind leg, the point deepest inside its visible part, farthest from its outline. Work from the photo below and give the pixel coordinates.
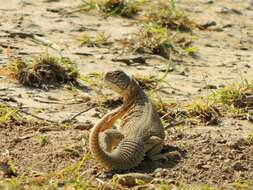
(110, 138)
(155, 147)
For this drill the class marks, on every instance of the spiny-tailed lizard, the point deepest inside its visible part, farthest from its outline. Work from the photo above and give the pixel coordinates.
(141, 132)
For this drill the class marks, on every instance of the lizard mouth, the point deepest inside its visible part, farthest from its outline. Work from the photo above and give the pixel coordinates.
(114, 86)
(117, 81)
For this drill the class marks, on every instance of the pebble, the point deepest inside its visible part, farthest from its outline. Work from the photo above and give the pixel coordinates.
(54, 10)
(208, 24)
(224, 10)
(238, 166)
(210, 1)
(105, 175)
(206, 166)
(97, 115)
(160, 172)
(247, 65)
(83, 125)
(250, 118)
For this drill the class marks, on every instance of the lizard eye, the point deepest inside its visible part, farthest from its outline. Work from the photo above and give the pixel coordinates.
(118, 73)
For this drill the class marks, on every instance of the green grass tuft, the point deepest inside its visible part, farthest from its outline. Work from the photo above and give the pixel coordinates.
(124, 8)
(101, 39)
(43, 71)
(8, 115)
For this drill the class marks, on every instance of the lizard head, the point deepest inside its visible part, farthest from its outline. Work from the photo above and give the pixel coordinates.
(119, 82)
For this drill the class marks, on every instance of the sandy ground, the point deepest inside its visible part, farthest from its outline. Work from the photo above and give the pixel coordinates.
(215, 155)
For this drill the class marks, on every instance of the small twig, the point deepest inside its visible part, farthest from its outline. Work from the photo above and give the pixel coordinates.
(37, 117)
(76, 115)
(46, 129)
(9, 46)
(19, 109)
(36, 38)
(4, 89)
(46, 42)
(56, 102)
(129, 60)
(170, 125)
(75, 11)
(18, 33)
(100, 181)
(83, 53)
(18, 139)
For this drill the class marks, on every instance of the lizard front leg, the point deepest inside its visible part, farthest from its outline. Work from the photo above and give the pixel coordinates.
(110, 138)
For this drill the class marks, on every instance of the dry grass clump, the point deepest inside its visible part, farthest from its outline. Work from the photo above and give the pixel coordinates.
(43, 71)
(167, 15)
(233, 100)
(155, 39)
(238, 96)
(209, 114)
(101, 39)
(124, 8)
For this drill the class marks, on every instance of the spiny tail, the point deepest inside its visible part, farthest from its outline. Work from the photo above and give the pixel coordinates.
(127, 155)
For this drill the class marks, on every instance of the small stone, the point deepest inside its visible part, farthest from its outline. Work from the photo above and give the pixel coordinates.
(236, 11)
(221, 157)
(224, 10)
(250, 118)
(206, 151)
(206, 167)
(210, 1)
(97, 115)
(238, 166)
(236, 144)
(151, 187)
(247, 65)
(83, 125)
(132, 179)
(210, 86)
(182, 73)
(208, 24)
(105, 175)
(54, 10)
(159, 172)
(228, 26)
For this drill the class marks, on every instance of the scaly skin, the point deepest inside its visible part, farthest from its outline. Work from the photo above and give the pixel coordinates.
(141, 127)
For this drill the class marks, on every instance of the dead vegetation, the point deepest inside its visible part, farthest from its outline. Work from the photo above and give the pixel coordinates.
(207, 114)
(236, 97)
(8, 116)
(161, 32)
(43, 71)
(232, 101)
(156, 39)
(166, 14)
(124, 8)
(101, 39)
